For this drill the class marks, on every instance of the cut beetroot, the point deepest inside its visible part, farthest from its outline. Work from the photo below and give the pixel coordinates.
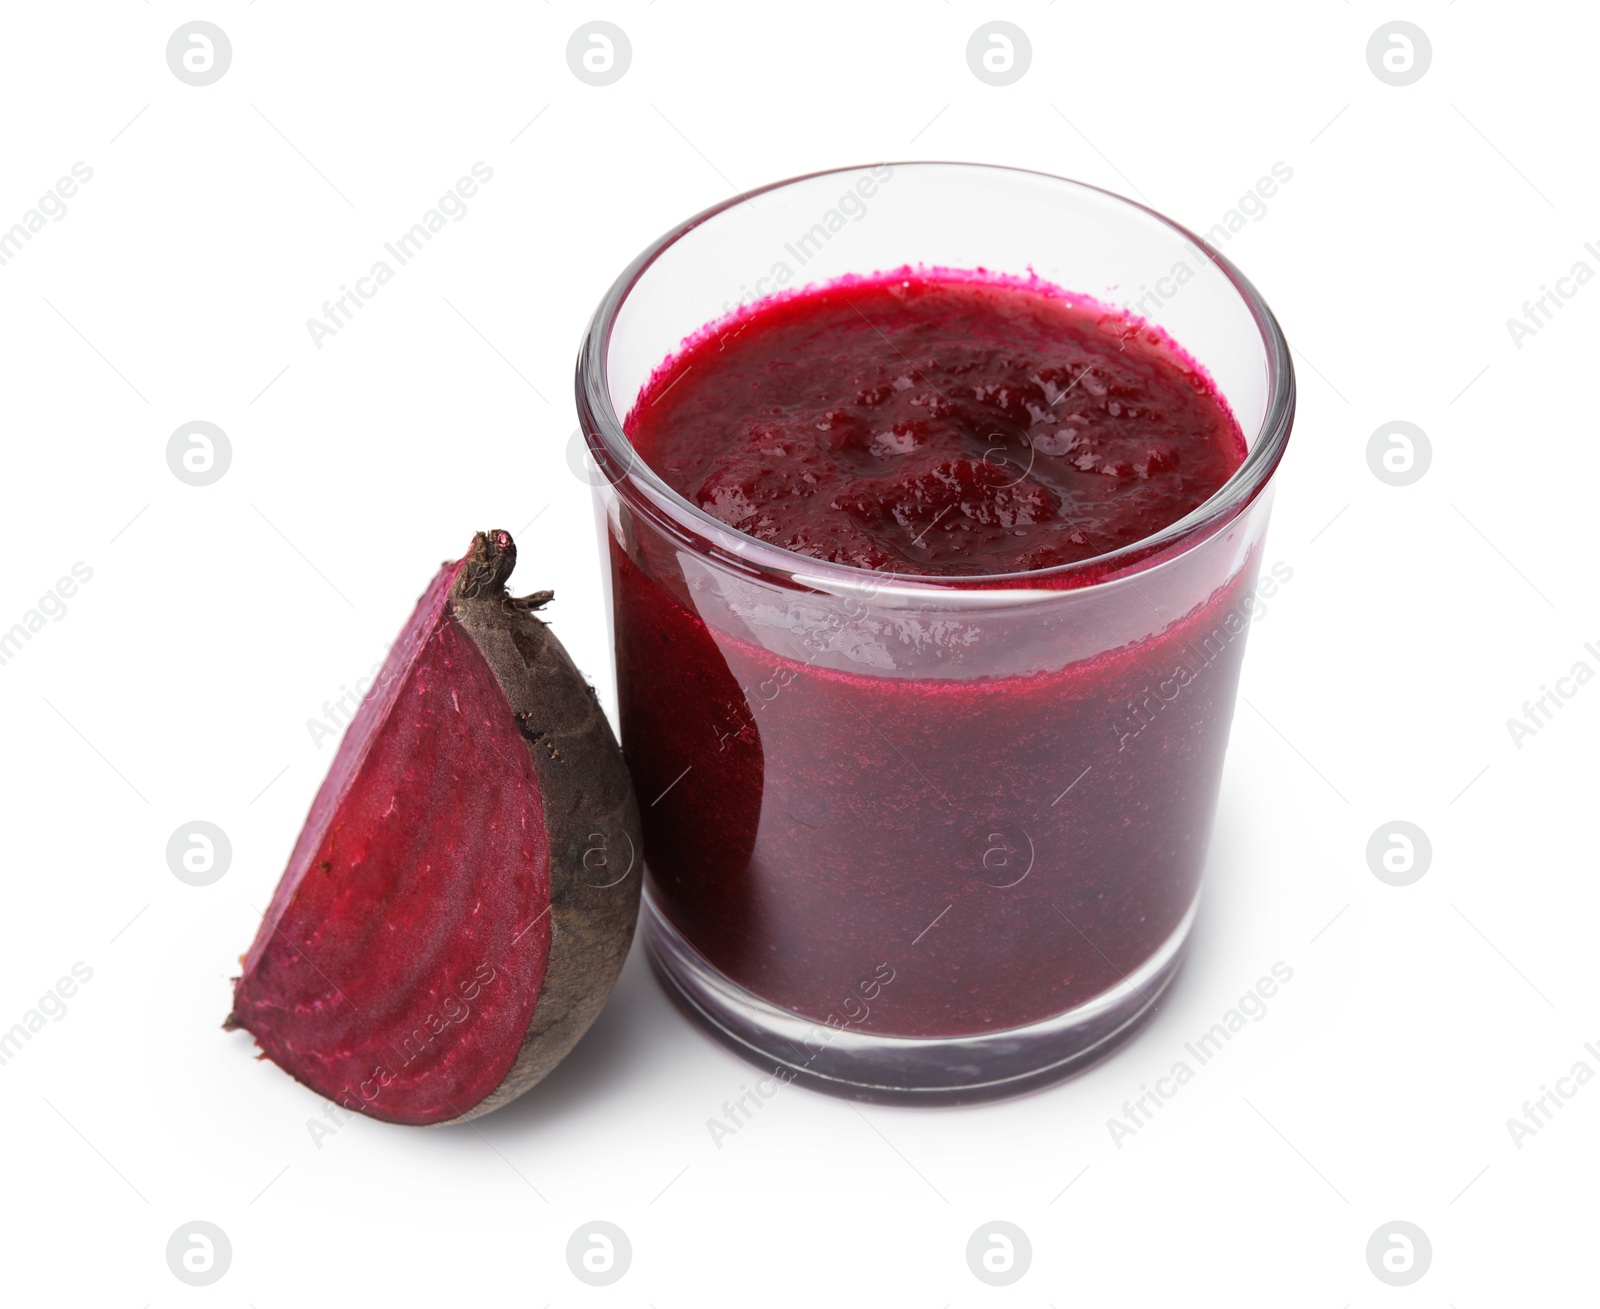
(464, 891)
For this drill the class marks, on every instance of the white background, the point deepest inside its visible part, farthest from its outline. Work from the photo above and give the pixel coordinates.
(218, 620)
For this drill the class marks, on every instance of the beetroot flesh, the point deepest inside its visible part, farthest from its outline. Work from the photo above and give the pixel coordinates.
(403, 966)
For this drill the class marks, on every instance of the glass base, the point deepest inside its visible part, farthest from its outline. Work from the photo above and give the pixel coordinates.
(901, 1069)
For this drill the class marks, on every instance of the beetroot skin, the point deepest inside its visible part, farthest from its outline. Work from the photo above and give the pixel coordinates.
(461, 899)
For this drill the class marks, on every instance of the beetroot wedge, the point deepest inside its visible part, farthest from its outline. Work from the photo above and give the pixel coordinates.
(461, 899)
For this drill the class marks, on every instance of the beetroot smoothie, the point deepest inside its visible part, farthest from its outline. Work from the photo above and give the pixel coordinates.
(939, 425)
(836, 816)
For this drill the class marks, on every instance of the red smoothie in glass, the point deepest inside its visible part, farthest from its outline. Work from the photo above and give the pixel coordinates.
(1051, 825)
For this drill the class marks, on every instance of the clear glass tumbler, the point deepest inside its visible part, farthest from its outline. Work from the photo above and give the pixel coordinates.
(912, 837)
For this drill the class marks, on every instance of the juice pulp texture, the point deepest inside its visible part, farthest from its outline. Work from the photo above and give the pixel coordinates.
(805, 824)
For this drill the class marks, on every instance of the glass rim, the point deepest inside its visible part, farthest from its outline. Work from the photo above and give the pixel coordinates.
(622, 466)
